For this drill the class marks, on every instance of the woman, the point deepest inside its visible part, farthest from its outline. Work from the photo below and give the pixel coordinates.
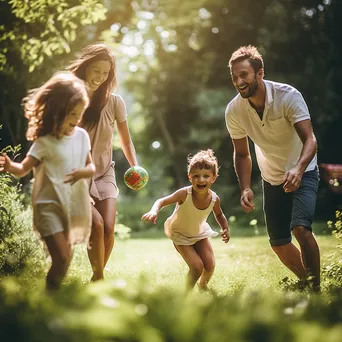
(96, 66)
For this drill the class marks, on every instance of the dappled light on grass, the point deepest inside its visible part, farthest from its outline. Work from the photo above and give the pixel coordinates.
(141, 310)
(143, 299)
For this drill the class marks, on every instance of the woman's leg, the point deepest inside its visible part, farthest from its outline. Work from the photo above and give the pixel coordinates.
(107, 209)
(96, 244)
(194, 262)
(102, 236)
(60, 251)
(205, 251)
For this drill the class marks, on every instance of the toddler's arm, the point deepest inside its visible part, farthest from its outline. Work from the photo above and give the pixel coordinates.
(178, 196)
(17, 169)
(221, 220)
(85, 172)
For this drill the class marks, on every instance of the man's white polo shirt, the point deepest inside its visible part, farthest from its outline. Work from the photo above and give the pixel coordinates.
(277, 144)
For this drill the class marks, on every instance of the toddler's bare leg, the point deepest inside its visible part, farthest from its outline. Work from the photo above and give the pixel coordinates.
(205, 251)
(194, 262)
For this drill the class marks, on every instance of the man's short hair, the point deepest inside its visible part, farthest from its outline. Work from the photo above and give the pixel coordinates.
(249, 52)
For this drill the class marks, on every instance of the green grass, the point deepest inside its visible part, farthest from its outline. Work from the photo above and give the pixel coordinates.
(143, 299)
(245, 262)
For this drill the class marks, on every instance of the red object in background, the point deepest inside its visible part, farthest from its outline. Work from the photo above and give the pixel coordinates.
(332, 174)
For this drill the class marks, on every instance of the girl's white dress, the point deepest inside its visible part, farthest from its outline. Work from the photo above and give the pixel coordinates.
(59, 206)
(188, 224)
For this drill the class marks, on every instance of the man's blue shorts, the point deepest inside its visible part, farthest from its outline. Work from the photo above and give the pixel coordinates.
(286, 210)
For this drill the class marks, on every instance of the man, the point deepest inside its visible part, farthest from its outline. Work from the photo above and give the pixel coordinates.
(276, 118)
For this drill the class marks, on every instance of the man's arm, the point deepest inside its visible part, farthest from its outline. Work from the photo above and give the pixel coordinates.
(243, 169)
(293, 177)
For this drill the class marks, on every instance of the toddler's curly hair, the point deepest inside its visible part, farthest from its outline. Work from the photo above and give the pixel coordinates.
(204, 159)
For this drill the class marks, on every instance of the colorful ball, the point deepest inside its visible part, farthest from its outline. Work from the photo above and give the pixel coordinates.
(136, 177)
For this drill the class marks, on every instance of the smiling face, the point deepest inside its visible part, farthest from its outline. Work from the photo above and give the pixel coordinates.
(73, 118)
(97, 73)
(245, 79)
(201, 179)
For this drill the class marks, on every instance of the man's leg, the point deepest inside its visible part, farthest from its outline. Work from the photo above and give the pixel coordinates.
(309, 253)
(304, 202)
(290, 256)
(278, 213)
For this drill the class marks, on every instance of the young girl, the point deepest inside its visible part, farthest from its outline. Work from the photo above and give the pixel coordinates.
(187, 226)
(60, 157)
(96, 66)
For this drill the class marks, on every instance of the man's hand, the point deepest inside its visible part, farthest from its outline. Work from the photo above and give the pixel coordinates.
(246, 200)
(292, 179)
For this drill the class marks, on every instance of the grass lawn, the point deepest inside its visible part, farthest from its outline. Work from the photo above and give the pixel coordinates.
(245, 262)
(143, 299)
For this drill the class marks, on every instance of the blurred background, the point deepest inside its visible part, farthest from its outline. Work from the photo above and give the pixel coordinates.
(172, 60)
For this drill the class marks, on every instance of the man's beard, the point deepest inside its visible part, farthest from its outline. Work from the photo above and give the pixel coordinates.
(253, 87)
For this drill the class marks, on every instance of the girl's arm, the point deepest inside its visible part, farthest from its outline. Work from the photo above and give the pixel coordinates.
(86, 172)
(17, 169)
(127, 143)
(221, 220)
(178, 196)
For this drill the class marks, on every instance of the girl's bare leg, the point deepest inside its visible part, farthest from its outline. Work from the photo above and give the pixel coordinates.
(205, 251)
(60, 251)
(96, 244)
(194, 262)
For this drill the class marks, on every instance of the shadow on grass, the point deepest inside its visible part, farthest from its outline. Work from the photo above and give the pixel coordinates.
(319, 228)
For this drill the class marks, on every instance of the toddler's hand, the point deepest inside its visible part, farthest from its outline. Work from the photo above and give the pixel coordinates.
(5, 162)
(225, 235)
(150, 216)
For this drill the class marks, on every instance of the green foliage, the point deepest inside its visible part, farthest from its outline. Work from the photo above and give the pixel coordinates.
(175, 56)
(122, 232)
(334, 270)
(120, 311)
(19, 248)
(41, 29)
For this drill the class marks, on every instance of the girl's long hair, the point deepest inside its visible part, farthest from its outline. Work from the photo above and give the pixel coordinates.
(93, 53)
(46, 107)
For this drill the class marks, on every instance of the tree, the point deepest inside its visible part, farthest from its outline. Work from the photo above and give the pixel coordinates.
(32, 34)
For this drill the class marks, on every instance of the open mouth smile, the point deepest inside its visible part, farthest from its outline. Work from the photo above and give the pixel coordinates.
(201, 186)
(242, 88)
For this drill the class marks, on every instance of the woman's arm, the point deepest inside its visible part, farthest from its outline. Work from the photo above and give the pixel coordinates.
(127, 143)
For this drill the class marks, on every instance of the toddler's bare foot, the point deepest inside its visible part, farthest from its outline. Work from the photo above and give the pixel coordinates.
(96, 278)
(203, 287)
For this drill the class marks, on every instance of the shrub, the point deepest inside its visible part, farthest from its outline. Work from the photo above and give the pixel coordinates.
(333, 271)
(19, 247)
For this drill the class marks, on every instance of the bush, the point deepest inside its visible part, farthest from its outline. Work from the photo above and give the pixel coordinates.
(333, 271)
(19, 247)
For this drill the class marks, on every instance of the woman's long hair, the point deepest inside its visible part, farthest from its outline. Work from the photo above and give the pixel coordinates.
(46, 107)
(93, 53)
